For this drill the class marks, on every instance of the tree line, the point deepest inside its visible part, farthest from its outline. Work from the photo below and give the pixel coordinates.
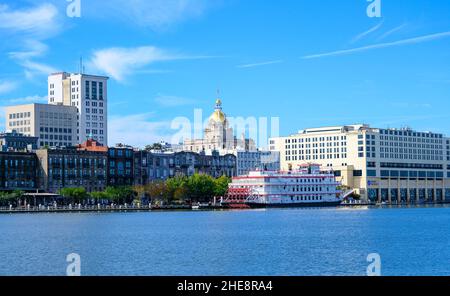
(10, 198)
(198, 188)
(178, 190)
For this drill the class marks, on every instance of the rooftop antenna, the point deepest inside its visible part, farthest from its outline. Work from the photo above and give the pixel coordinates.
(81, 65)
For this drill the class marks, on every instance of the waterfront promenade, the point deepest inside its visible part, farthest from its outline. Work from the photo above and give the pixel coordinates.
(133, 208)
(91, 208)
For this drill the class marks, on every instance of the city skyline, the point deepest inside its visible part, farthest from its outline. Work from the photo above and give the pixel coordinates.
(388, 71)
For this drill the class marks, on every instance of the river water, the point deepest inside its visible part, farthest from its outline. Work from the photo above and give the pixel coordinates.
(410, 241)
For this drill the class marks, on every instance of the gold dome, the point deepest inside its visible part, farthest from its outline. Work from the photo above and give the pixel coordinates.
(218, 116)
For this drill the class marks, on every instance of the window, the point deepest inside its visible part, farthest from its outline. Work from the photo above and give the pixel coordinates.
(357, 173)
(384, 173)
(371, 173)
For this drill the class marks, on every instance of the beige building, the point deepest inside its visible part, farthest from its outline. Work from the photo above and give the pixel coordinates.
(382, 165)
(218, 136)
(54, 125)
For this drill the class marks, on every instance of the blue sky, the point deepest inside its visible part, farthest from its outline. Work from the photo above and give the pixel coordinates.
(309, 62)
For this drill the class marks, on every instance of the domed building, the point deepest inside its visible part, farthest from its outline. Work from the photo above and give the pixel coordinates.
(218, 136)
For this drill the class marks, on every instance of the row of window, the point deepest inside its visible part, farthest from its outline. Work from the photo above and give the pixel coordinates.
(55, 137)
(94, 118)
(407, 174)
(54, 144)
(94, 111)
(95, 124)
(316, 145)
(20, 115)
(316, 157)
(94, 132)
(94, 104)
(317, 151)
(410, 134)
(128, 153)
(55, 130)
(317, 139)
(19, 123)
(12, 163)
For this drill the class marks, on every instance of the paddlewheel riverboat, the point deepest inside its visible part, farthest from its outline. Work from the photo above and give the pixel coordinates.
(306, 187)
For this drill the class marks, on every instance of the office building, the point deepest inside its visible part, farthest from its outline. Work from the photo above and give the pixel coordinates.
(381, 165)
(54, 125)
(89, 94)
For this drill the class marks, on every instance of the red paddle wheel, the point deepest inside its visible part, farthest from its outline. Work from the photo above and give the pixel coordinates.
(236, 198)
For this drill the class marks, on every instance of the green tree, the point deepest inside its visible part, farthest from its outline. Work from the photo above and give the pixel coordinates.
(221, 186)
(122, 194)
(201, 188)
(180, 195)
(98, 196)
(77, 195)
(8, 198)
(177, 188)
(155, 146)
(157, 191)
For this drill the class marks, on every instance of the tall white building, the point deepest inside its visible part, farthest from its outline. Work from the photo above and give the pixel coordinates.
(54, 125)
(89, 94)
(391, 165)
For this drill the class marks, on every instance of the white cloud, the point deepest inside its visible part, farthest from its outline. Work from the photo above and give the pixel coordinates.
(33, 68)
(137, 130)
(25, 58)
(28, 28)
(7, 86)
(155, 14)
(40, 21)
(120, 62)
(28, 100)
(393, 31)
(260, 64)
(368, 32)
(173, 101)
(409, 41)
(32, 49)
